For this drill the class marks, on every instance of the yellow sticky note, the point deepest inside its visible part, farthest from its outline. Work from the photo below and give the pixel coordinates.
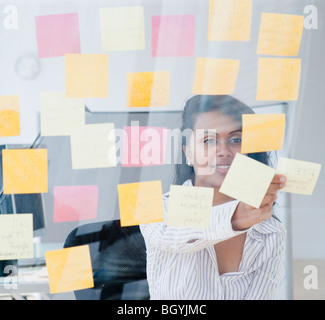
(16, 236)
(59, 114)
(215, 76)
(86, 75)
(230, 20)
(122, 28)
(190, 206)
(301, 176)
(147, 89)
(280, 34)
(9, 116)
(93, 146)
(140, 202)
(278, 78)
(24, 171)
(247, 180)
(262, 132)
(69, 269)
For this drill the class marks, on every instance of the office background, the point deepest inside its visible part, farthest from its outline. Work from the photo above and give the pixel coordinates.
(26, 75)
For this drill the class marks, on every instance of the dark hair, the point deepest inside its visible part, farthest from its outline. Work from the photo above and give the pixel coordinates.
(198, 104)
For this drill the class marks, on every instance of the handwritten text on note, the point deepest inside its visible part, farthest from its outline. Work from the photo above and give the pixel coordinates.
(280, 34)
(278, 79)
(230, 20)
(25, 171)
(190, 206)
(301, 175)
(148, 89)
(69, 269)
(16, 236)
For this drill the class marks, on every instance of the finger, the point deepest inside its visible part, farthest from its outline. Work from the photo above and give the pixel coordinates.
(277, 183)
(279, 179)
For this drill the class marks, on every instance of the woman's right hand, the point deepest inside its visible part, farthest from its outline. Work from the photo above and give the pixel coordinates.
(245, 216)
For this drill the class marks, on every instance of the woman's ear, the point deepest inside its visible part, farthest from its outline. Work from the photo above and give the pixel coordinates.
(188, 155)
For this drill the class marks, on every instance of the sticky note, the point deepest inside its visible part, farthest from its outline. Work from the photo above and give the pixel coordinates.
(229, 20)
(173, 35)
(278, 78)
(262, 132)
(86, 75)
(59, 114)
(9, 116)
(16, 236)
(140, 202)
(215, 76)
(301, 175)
(247, 180)
(144, 146)
(147, 89)
(190, 206)
(122, 28)
(75, 203)
(93, 146)
(24, 171)
(57, 34)
(280, 34)
(69, 269)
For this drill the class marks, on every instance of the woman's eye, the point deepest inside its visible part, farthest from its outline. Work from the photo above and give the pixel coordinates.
(235, 140)
(210, 140)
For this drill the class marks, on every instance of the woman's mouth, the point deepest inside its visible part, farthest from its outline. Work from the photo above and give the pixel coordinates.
(222, 169)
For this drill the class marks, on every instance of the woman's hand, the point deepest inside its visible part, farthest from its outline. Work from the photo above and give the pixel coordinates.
(245, 216)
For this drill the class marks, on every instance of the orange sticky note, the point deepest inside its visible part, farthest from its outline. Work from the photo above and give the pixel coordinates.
(280, 34)
(278, 79)
(262, 132)
(140, 202)
(69, 269)
(215, 76)
(24, 171)
(9, 116)
(147, 89)
(86, 75)
(230, 20)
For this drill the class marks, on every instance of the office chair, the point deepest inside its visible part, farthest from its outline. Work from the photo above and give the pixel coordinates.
(118, 257)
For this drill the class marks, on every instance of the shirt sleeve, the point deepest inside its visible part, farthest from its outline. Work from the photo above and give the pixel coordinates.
(184, 240)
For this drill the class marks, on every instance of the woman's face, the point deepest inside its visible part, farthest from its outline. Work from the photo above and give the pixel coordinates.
(212, 147)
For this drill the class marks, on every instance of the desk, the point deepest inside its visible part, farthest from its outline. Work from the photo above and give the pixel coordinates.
(29, 280)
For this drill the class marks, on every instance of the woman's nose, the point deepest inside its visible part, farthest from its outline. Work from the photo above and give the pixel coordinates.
(223, 150)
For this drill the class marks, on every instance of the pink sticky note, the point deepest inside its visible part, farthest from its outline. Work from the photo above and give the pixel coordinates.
(173, 35)
(144, 146)
(75, 203)
(57, 34)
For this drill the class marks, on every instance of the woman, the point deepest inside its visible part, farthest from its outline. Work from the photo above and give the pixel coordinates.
(240, 255)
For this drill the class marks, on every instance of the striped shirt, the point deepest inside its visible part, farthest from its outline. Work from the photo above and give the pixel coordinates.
(182, 264)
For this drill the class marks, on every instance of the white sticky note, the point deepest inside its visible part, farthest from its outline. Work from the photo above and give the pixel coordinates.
(59, 114)
(301, 175)
(247, 180)
(190, 206)
(16, 236)
(93, 146)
